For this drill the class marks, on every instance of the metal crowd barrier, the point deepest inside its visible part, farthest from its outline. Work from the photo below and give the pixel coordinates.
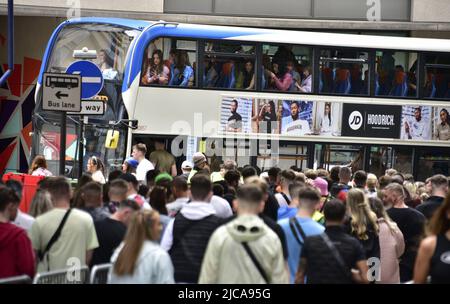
(100, 274)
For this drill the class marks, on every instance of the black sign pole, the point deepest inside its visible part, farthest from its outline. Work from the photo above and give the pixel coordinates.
(62, 146)
(81, 147)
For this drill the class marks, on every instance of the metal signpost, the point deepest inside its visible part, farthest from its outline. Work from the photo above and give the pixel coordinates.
(62, 92)
(92, 84)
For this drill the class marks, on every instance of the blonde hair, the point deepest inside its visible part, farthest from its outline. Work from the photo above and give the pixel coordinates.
(361, 214)
(41, 203)
(142, 227)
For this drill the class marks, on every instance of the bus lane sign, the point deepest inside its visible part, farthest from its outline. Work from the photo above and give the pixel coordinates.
(61, 92)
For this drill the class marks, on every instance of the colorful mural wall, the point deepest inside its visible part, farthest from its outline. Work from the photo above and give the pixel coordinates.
(17, 94)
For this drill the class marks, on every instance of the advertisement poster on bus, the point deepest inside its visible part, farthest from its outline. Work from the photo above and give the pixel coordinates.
(441, 123)
(236, 114)
(416, 123)
(296, 117)
(327, 118)
(368, 120)
(266, 116)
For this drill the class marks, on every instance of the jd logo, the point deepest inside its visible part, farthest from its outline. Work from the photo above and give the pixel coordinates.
(355, 120)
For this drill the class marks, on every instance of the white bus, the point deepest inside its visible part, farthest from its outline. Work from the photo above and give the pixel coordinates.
(260, 96)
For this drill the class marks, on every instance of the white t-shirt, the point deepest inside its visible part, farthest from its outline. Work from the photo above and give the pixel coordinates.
(418, 130)
(141, 170)
(297, 127)
(24, 220)
(98, 177)
(281, 200)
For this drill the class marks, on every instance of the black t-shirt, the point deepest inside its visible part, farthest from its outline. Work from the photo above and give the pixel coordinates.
(429, 206)
(322, 267)
(110, 234)
(271, 207)
(371, 245)
(411, 223)
(235, 121)
(440, 261)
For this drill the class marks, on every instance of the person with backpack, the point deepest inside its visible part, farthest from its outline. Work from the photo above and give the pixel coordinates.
(333, 257)
(187, 236)
(301, 226)
(244, 251)
(286, 178)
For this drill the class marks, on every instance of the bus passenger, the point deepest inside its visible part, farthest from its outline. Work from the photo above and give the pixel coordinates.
(106, 65)
(157, 72)
(281, 79)
(182, 73)
(247, 81)
(305, 85)
(291, 67)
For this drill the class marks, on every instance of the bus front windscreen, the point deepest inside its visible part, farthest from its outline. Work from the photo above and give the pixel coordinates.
(105, 45)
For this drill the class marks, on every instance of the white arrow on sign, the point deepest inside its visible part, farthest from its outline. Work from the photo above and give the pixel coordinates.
(91, 107)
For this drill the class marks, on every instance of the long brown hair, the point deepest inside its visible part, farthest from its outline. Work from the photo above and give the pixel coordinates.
(142, 227)
(440, 222)
(38, 162)
(160, 67)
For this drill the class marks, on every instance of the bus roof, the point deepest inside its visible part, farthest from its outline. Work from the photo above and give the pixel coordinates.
(131, 23)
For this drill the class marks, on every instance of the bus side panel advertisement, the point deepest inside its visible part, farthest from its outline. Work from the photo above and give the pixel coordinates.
(236, 114)
(266, 116)
(416, 123)
(379, 121)
(296, 117)
(327, 118)
(441, 123)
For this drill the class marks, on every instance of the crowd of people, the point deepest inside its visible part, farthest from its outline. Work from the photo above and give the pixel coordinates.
(219, 223)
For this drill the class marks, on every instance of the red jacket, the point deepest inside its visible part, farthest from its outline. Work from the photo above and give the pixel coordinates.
(16, 252)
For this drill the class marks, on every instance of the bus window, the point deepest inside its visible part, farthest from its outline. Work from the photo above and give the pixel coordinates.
(403, 160)
(284, 156)
(109, 43)
(396, 74)
(287, 68)
(344, 72)
(437, 77)
(329, 156)
(433, 161)
(229, 66)
(170, 61)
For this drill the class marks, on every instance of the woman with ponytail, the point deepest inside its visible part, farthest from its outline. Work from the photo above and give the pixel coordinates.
(140, 259)
(363, 222)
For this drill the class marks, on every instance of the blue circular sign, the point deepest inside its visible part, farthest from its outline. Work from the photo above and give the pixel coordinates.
(91, 77)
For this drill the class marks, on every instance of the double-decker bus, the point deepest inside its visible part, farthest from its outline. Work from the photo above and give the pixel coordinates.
(260, 96)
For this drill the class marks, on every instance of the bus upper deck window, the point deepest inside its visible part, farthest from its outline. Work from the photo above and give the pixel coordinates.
(396, 74)
(343, 72)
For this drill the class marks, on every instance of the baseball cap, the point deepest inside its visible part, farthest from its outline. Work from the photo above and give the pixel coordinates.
(163, 176)
(187, 165)
(132, 162)
(321, 185)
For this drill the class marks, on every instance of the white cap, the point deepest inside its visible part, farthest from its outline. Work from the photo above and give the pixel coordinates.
(187, 165)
